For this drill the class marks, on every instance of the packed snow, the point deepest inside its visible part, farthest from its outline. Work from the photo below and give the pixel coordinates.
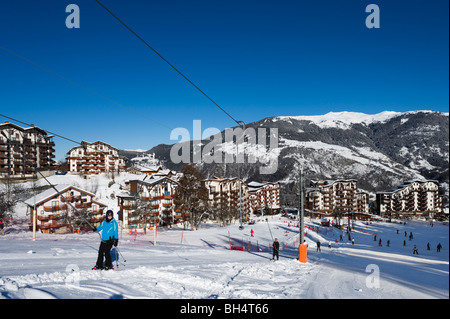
(185, 264)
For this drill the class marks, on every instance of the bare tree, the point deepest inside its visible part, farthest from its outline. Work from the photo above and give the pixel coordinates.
(191, 197)
(10, 195)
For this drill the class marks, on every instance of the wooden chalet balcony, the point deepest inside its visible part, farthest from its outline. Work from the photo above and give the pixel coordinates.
(43, 218)
(83, 205)
(96, 211)
(27, 141)
(73, 197)
(51, 224)
(44, 226)
(55, 208)
(96, 219)
(30, 157)
(133, 221)
(129, 206)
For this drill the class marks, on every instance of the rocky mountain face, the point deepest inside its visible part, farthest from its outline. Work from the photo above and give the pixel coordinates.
(380, 151)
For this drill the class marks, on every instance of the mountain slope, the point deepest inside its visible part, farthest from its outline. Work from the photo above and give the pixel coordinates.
(381, 151)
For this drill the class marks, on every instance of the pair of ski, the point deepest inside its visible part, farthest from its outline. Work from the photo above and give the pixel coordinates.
(105, 269)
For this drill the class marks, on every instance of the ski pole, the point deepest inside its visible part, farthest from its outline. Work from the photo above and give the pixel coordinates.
(124, 260)
(117, 257)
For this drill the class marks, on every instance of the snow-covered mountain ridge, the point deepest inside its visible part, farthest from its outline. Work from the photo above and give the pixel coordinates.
(345, 119)
(381, 151)
(342, 120)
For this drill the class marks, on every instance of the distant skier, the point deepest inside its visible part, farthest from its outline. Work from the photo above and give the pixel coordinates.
(415, 251)
(251, 233)
(1, 227)
(353, 240)
(379, 243)
(428, 246)
(318, 246)
(276, 248)
(110, 237)
(439, 246)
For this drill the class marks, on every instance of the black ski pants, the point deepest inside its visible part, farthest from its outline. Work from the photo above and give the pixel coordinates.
(275, 254)
(104, 250)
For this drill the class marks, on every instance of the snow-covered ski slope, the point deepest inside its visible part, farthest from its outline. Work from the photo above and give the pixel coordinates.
(200, 265)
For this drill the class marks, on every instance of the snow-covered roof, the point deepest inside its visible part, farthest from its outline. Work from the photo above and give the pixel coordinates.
(255, 184)
(50, 193)
(154, 181)
(144, 168)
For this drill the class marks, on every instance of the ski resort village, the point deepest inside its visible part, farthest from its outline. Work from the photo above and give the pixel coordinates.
(223, 158)
(183, 235)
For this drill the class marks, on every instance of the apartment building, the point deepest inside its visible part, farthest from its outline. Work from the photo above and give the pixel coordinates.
(23, 150)
(336, 196)
(95, 158)
(225, 192)
(413, 198)
(149, 202)
(264, 195)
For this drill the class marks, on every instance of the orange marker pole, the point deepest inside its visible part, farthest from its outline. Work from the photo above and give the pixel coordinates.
(302, 253)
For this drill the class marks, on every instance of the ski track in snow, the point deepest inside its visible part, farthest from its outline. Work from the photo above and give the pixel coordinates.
(204, 267)
(229, 280)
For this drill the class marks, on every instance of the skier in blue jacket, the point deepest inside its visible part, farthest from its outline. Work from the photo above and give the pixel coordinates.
(110, 237)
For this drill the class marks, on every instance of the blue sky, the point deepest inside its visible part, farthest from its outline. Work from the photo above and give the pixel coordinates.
(254, 58)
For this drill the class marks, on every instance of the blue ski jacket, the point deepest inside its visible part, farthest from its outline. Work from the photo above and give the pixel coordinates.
(109, 230)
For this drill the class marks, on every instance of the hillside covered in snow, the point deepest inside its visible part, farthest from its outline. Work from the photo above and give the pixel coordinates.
(380, 151)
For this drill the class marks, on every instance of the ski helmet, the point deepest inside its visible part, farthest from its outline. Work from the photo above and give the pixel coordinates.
(109, 213)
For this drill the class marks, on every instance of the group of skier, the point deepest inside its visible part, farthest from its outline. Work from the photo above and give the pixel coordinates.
(388, 242)
(110, 237)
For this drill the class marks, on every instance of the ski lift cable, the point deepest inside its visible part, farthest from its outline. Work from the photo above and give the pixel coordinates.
(84, 88)
(165, 60)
